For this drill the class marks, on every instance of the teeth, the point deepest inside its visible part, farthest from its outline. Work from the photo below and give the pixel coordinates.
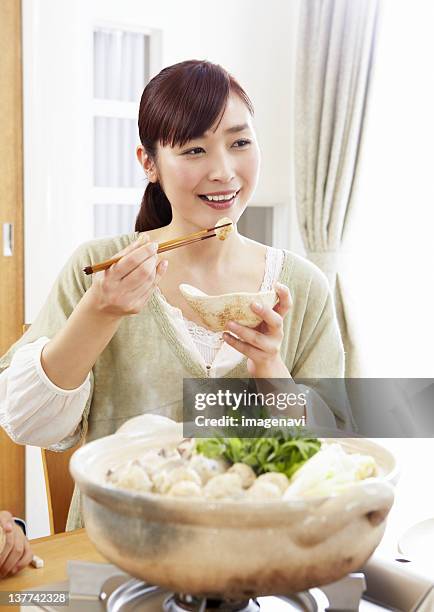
(220, 198)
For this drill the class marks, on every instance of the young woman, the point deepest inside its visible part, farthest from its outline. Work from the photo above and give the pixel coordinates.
(107, 348)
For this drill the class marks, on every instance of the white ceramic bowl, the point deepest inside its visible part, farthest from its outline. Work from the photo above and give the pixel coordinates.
(216, 310)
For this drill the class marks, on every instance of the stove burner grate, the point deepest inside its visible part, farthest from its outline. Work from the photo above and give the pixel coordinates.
(133, 595)
(182, 602)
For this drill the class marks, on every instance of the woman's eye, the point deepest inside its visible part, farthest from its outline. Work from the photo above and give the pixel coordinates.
(192, 151)
(238, 144)
(241, 143)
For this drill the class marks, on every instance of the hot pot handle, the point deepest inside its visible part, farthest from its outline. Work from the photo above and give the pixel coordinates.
(371, 500)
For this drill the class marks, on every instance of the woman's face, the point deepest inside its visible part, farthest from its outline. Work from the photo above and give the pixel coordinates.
(223, 162)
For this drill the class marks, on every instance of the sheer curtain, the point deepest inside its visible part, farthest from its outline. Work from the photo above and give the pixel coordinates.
(120, 71)
(335, 48)
(119, 64)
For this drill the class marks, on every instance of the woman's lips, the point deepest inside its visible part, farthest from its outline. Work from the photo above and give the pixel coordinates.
(223, 204)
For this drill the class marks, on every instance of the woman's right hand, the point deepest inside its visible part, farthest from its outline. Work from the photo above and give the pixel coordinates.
(126, 286)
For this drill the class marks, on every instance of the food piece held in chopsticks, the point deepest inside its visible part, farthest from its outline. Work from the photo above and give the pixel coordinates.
(224, 232)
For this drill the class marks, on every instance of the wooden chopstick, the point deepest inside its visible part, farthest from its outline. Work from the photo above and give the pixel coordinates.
(162, 247)
(169, 247)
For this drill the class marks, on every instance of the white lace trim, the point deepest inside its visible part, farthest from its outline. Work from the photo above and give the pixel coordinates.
(214, 340)
(273, 267)
(202, 335)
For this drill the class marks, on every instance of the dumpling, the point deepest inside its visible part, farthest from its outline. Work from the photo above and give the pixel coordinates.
(245, 472)
(165, 479)
(154, 460)
(207, 468)
(131, 476)
(184, 473)
(264, 491)
(185, 488)
(276, 478)
(224, 486)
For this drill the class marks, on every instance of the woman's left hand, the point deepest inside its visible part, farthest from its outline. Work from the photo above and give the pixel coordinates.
(261, 345)
(16, 552)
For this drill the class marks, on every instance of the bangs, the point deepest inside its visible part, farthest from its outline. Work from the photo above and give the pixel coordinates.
(187, 104)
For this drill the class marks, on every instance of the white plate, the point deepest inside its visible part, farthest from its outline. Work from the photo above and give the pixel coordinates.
(417, 543)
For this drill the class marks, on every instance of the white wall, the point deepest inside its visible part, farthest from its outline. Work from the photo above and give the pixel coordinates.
(254, 41)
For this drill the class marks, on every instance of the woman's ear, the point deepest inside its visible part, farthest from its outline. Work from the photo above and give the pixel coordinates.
(147, 164)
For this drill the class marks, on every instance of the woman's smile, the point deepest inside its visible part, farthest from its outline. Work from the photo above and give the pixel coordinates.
(222, 204)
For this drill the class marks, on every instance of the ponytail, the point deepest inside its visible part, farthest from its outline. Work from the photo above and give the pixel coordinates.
(155, 210)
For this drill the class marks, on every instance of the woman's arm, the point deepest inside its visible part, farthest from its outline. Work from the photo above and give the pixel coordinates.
(119, 291)
(68, 358)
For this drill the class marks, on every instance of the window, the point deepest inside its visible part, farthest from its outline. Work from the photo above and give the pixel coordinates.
(257, 223)
(122, 61)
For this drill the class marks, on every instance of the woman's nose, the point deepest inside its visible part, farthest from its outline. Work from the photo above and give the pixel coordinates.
(221, 169)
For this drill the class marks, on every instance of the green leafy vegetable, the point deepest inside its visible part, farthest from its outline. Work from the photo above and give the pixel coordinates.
(280, 453)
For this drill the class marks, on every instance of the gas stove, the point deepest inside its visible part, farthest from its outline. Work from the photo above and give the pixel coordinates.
(133, 595)
(381, 585)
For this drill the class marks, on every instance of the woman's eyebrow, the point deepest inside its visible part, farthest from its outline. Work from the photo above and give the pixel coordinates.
(237, 128)
(232, 130)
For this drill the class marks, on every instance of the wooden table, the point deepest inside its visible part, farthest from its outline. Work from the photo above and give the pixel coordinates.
(55, 551)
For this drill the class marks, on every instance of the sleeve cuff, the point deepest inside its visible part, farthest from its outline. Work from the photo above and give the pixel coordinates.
(21, 523)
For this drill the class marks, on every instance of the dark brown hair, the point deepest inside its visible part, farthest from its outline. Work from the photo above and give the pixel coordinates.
(181, 103)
